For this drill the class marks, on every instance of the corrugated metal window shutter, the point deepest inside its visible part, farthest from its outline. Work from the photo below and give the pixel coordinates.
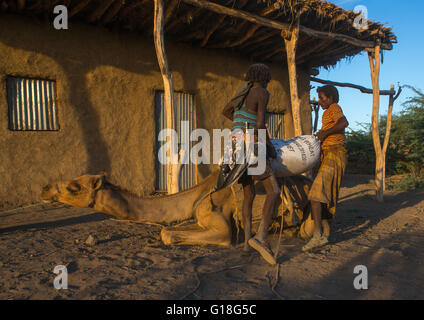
(275, 124)
(32, 104)
(184, 111)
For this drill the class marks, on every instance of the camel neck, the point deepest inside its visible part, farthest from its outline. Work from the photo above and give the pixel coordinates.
(165, 209)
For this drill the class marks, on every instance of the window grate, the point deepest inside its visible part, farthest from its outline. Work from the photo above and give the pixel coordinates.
(275, 124)
(185, 111)
(32, 104)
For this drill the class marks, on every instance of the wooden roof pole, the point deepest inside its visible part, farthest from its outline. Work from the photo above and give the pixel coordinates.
(374, 59)
(354, 86)
(80, 6)
(283, 26)
(168, 83)
(290, 39)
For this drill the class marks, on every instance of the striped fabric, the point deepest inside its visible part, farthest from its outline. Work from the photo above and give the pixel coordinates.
(242, 116)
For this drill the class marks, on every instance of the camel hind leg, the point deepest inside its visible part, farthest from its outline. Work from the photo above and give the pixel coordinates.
(216, 232)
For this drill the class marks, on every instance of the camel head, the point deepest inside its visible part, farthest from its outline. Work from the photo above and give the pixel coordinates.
(78, 192)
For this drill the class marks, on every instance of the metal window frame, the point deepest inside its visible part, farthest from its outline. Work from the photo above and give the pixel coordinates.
(32, 104)
(188, 171)
(273, 124)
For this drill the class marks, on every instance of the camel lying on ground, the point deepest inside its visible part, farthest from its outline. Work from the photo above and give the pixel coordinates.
(213, 215)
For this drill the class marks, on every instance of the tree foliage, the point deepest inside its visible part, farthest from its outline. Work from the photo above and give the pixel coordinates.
(405, 153)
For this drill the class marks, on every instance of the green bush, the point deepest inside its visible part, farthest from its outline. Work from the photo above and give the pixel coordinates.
(361, 155)
(407, 183)
(405, 153)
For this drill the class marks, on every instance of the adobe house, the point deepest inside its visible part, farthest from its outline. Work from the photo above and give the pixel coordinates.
(90, 98)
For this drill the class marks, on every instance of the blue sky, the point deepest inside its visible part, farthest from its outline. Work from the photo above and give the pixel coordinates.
(404, 64)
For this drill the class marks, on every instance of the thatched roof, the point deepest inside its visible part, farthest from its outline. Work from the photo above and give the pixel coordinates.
(204, 28)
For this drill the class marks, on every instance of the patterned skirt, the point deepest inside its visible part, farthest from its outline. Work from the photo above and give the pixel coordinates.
(326, 186)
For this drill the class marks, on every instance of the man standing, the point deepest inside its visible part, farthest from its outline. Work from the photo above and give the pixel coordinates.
(325, 189)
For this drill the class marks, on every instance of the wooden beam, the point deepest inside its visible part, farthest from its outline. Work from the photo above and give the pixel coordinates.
(324, 59)
(212, 30)
(180, 19)
(128, 8)
(264, 35)
(354, 86)
(100, 10)
(112, 12)
(269, 10)
(253, 49)
(215, 26)
(170, 9)
(246, 37)
(283, 26)
(81, 5)
(304, 54)
(290, 41)
(168, 82)
(231, 44)
(264, 55)
(260, 38)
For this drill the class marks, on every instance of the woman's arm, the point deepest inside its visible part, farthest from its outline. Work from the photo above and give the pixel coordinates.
(340, 125)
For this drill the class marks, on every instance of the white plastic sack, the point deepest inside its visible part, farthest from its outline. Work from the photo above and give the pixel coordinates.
(296, 155)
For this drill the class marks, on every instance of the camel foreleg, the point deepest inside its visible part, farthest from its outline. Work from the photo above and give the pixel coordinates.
(216, 233)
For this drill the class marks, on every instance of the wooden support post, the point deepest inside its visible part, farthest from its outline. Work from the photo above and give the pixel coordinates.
(374, 60)
(290, 39)
(392, 100)
(315, 109)
(168, 83)
(176, 173)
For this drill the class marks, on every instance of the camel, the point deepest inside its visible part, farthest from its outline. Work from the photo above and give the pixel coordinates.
(213, 214)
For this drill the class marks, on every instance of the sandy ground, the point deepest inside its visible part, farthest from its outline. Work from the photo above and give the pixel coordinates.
(130, 262)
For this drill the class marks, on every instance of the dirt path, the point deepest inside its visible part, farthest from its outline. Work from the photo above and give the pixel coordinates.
(130, 262)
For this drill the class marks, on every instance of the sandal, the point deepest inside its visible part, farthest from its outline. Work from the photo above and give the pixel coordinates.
(264, 249)
(315, 242)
